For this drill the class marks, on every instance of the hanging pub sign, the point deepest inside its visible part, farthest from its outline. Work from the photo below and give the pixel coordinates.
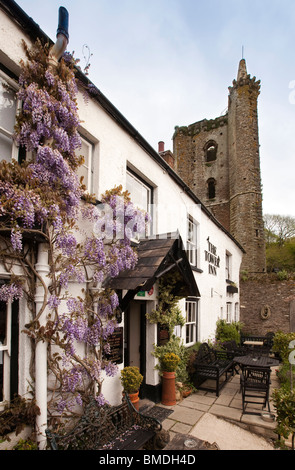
(212, 258)
(116, 346)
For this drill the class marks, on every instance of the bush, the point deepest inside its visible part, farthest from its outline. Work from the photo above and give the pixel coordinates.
(284, 375)
(174, 345)
(131, 379)
(284, 402)
(281, 343)
(170, 362)
(228, 331)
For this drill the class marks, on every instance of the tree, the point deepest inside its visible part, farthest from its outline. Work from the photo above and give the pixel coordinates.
(280, 246)
(279, 228)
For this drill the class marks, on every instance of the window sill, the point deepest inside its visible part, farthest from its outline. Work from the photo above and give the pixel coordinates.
(197, 270)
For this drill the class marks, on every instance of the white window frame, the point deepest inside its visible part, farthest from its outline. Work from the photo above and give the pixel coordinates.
(237, 312)
(228, 265)
(192, 241)
(5, 132)
(149, 191)
(88, 165)
(228, 312)
(191, 318)
(5, 354)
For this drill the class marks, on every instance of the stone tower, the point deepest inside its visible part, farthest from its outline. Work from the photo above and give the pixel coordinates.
(219, 160)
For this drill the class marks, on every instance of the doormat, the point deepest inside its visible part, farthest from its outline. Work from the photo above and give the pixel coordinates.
(158, 412)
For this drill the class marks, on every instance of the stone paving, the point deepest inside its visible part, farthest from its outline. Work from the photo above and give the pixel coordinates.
(220, 419)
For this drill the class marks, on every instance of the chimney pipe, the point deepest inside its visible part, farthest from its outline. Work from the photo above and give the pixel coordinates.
(161, 146)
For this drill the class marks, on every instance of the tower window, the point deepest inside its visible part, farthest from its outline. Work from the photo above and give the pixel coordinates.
(210, 151)
(211, 188)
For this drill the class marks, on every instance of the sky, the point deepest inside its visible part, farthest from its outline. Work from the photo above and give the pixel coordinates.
(167, 63)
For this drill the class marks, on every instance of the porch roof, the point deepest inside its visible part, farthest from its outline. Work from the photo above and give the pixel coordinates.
(156, 257)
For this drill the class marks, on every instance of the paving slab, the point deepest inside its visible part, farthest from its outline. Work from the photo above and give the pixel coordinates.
(228, 436)
(185, 415)
(226, 412)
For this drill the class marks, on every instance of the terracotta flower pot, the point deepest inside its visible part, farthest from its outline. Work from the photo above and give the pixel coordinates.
(168, 389)
(134, 398)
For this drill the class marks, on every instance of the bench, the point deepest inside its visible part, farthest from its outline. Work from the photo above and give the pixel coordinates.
(233, 349)
(264, 348)
(108, 427)
(213, 365)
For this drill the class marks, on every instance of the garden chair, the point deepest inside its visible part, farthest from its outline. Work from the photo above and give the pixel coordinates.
(255, 383)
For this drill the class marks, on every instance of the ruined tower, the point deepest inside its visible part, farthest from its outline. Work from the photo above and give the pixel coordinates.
(219, 159)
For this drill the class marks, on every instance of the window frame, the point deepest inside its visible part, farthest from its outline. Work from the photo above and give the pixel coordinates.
(192, 244)
(5, 355)
(150, 193)
(228, 312)
(90, 166)
(14, 86)
(191, 308)
(228, 265)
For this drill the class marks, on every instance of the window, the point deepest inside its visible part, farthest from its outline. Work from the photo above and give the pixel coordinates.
(210, 151)
(8, 108)
(5, 320)
(211, 183)
(86, 170)
(228, 312)
(191, 244)
(191, 310)
(227, 266)
(237, 312)
(141, 195)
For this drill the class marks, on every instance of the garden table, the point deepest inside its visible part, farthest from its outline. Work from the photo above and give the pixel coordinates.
(256, 361)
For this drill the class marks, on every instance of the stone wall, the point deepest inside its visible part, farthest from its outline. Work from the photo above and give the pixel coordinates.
(262, 291)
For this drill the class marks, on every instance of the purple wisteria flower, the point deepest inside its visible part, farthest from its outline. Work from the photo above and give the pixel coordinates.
(10, 292)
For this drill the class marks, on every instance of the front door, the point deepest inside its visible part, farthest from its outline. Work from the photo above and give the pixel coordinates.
(135, 337)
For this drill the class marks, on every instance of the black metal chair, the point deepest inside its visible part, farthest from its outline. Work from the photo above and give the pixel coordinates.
(255, 383)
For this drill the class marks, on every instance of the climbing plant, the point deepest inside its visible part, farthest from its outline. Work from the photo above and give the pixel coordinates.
(43, 200)
(167, 311)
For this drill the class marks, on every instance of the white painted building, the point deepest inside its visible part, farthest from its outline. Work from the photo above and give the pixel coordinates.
(115, 153)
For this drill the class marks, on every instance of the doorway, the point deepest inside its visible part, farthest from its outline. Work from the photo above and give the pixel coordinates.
(135, 338)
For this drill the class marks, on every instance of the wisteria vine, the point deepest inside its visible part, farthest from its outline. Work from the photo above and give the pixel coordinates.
(44, 194)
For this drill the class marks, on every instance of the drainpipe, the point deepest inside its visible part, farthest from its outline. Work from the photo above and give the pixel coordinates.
(42, 268)
(62, 37)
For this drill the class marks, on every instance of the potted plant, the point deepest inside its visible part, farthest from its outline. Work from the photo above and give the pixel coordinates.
(131, 380)
(169, 363)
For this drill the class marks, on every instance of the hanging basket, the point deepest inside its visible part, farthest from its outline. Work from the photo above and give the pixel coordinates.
(168, 389)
